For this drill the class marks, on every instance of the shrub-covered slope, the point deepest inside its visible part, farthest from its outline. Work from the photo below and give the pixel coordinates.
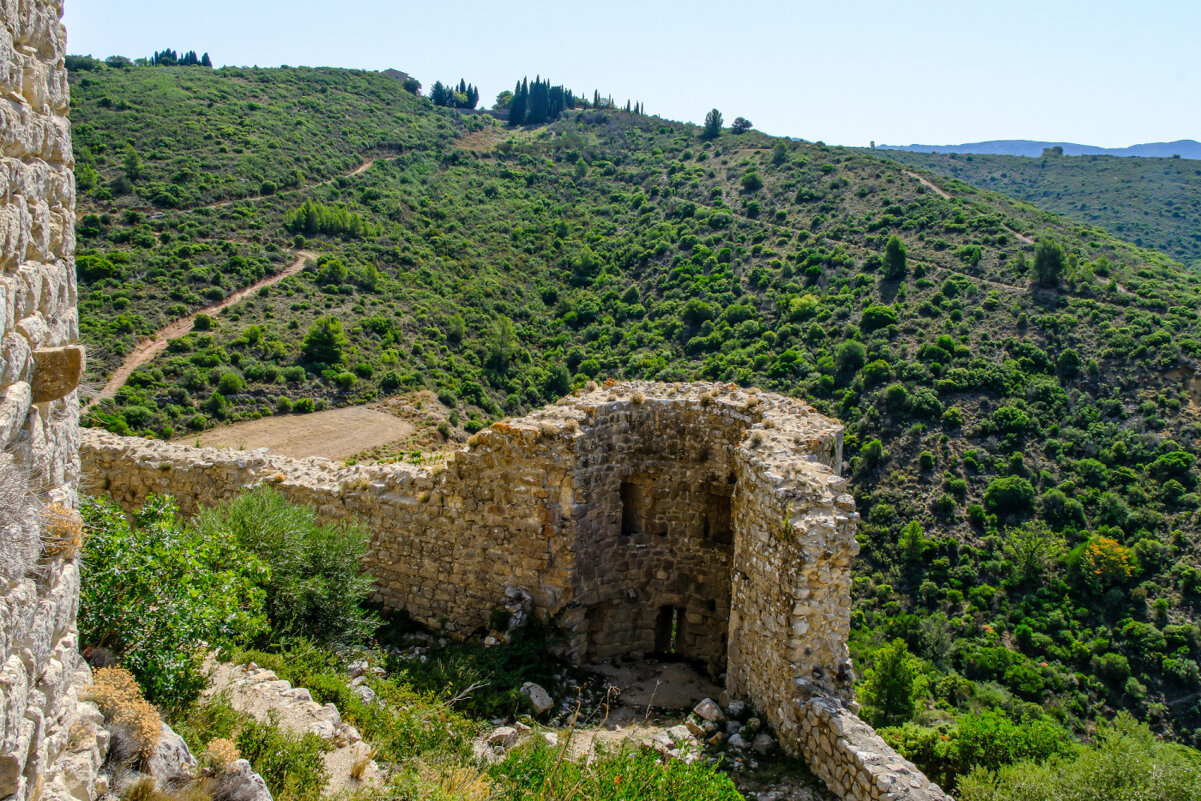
(1022, 419)
(1153, 202)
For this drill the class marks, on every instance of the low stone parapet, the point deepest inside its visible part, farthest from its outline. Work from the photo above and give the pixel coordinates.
(855, 762)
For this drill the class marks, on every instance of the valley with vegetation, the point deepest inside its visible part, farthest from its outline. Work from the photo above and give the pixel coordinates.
(1020, 391)
(1153, 202)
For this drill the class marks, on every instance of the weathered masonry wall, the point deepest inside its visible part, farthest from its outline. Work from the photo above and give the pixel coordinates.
(697, 519)
(48, 741)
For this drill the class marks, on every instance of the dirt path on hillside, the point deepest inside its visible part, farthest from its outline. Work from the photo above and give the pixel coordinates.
(333, 434)
(926, 182)
(147, 349)
(942, 193)
(359, 170)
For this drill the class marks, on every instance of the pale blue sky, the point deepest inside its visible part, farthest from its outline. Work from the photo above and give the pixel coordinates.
(932, 71)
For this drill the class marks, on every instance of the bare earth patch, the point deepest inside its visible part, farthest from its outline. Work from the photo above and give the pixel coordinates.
(334, 434)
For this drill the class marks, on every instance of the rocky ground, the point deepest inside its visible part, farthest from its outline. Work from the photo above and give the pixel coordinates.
(655, 705)
(259, 692)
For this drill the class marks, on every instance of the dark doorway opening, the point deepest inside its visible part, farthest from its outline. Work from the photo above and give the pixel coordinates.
(669, 632)
(629, 509)
(717, 527)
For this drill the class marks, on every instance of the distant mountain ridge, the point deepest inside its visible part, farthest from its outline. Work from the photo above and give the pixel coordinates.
(1185, 148)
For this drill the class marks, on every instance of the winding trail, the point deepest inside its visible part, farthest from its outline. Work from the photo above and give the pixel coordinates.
(926, 182)
(359, 170)
(942, 193)
(147, 349)
(368, 162)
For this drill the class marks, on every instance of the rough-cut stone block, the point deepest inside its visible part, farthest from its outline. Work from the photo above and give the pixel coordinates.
(58, 372)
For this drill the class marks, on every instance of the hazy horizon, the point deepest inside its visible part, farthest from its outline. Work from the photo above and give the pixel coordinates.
(930, 72)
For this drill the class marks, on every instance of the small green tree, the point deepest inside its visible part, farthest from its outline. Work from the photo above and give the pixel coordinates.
(713, 121)
(894, 258)
(1009, 496)
(132, 163)
(741, 125)
(850, 356)
(912, 542)
(1034, 549)
(502, 344)
(892, 686)
(1048, 263)
(325, 341)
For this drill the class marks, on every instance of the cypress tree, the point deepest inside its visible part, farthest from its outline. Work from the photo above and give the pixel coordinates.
(517, 105)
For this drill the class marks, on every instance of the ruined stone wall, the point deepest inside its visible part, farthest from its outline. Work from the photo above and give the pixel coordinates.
(447, 540)
(629, 513)
(654, 539)
(49, 747)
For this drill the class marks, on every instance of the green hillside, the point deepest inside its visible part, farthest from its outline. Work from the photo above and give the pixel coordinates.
(1152, 202)
(1024, 455)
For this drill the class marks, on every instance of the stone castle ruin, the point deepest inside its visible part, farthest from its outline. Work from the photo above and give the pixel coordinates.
(700, 520)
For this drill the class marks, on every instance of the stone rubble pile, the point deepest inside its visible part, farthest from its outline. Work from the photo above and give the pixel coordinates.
(261, 693)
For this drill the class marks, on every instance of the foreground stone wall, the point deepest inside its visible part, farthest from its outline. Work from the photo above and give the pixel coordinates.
(699, 519)
(49, 746)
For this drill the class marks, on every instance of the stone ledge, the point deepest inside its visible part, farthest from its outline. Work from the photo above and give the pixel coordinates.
(854, 761)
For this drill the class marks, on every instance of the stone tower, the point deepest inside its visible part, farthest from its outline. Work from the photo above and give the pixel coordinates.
(49, 747)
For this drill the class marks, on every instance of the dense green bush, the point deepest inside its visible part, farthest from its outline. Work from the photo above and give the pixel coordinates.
(316, 585)
(892, 686)
(1127, 762)
(989, 740)
(156, 594)
(292, 765)
(537, 771)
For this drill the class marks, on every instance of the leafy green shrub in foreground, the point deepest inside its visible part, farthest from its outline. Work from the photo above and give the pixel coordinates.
(536, 771)
(291, 764)
(316, 586)
(155, 594)
(989, 739)
(1128, 762)
(403, 724)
